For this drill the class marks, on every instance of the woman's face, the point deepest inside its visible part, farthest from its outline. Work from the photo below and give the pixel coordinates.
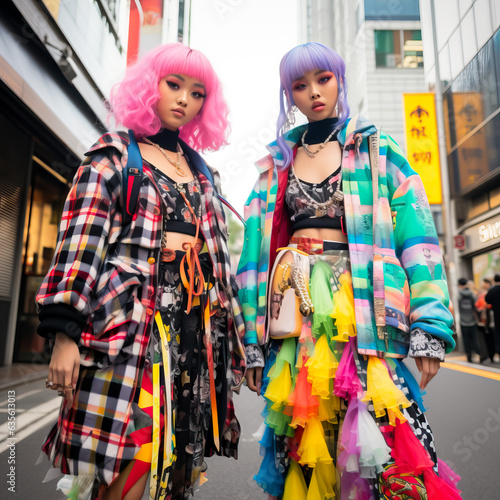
(181, 98)
(316, 94)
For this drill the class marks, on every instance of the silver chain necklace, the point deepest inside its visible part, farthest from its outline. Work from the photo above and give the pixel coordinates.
(321, 208)
(310, 153)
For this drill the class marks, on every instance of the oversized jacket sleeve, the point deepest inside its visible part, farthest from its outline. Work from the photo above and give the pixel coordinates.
(417, 247)
(248, 274)
(89, 224)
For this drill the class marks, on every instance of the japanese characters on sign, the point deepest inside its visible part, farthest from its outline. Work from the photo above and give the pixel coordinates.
(422, 145)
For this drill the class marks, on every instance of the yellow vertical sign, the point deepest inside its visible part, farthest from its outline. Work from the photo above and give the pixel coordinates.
(422, 147)
(53, 7)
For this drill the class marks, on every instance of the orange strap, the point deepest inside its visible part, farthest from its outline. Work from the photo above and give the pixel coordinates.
(210, 360)
(193, 263)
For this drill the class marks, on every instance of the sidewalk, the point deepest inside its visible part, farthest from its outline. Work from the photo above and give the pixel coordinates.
(21, 373)
(459, 358)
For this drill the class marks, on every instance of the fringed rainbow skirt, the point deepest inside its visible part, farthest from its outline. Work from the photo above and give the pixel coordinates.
(340, 425)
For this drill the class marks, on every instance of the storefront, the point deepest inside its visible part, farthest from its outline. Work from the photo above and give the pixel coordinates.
(482, 252)
(45, 127)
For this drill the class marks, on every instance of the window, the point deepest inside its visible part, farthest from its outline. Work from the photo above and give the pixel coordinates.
(392, 10)
(399, 49)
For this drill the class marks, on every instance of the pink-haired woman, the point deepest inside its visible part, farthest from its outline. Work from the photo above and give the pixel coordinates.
(142, 310)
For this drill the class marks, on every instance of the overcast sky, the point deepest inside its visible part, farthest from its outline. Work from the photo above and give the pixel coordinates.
(245, 41)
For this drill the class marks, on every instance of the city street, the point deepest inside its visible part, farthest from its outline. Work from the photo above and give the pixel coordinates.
(463, 409)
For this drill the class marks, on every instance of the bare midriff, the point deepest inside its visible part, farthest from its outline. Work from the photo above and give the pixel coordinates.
(322, 234)
(175, 241)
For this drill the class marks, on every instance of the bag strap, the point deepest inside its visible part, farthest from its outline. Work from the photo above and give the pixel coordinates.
(132, 179)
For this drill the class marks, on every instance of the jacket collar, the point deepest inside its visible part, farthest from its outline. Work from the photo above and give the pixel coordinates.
(352, 127)
(120, 142)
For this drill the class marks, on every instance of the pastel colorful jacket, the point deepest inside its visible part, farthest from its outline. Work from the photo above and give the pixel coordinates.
(409, 273)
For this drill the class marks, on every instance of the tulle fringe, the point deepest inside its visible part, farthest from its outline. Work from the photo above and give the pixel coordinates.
(302, 404)
(347, 382)
(269, 477)
(322, 482)
(383, 392)
(295, 484)
(303, 386)
(322, 366)
(343, 309)
(321, 296)
(313, 449)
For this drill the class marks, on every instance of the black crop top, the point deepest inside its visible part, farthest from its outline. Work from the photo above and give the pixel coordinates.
(178, 217)
(322, 211)
(303, 213)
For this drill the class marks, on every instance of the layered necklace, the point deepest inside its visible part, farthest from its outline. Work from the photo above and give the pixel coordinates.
(337, 197)
(326, 207)
(177, 164)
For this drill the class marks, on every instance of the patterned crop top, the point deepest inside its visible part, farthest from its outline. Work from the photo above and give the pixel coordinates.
(178, 217)
(313, 205)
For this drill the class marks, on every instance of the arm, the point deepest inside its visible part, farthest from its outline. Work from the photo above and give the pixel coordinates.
(417, 247)
(247, 273)
(247, 277)
(83, 239)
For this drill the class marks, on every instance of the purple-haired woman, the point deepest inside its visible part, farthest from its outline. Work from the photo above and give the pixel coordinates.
(341, 278)
(141, 310)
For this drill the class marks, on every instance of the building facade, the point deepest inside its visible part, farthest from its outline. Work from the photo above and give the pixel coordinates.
(468, 46)
(58, 62)
(380, 41)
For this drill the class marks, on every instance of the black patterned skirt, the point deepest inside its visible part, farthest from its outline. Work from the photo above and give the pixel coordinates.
(174, 425)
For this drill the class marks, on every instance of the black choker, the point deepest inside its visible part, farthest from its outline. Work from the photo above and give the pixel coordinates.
(167, 139)
(317, 132)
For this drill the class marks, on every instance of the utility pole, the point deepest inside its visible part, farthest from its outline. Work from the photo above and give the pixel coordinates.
(448, 206)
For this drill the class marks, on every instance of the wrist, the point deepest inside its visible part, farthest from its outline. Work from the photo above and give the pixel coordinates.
(62, 338)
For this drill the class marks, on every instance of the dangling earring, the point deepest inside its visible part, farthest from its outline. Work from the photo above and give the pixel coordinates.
(290, 117)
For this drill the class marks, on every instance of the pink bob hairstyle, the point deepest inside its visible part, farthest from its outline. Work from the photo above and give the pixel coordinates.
(134, 100)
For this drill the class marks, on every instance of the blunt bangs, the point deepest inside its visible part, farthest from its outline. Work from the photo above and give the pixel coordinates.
(134, 100)
(295, 64)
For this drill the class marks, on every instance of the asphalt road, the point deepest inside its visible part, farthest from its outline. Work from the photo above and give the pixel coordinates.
(463, 410)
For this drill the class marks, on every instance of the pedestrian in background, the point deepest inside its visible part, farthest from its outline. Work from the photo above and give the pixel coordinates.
(485, 322)
(468, 319)
(493, 298)
(143, 314)
(327, 290)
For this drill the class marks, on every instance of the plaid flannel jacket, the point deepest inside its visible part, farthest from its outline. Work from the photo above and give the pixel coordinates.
(107, 275)
(409, 261)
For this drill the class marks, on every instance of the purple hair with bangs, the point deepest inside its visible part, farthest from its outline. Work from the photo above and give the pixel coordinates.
(134, 100)
(294, 65)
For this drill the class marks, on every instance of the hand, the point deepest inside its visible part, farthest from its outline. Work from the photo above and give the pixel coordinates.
(428, 367)
(254, 379)
(64, 365)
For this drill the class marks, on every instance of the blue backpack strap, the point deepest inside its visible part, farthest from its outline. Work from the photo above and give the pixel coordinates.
(132, 179)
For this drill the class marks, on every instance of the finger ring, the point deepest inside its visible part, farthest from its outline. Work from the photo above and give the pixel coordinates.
(69, 386)
(48, 383)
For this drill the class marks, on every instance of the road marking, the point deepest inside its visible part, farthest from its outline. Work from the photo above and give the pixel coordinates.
(30, 417)
(472, 371)
(48, 419)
